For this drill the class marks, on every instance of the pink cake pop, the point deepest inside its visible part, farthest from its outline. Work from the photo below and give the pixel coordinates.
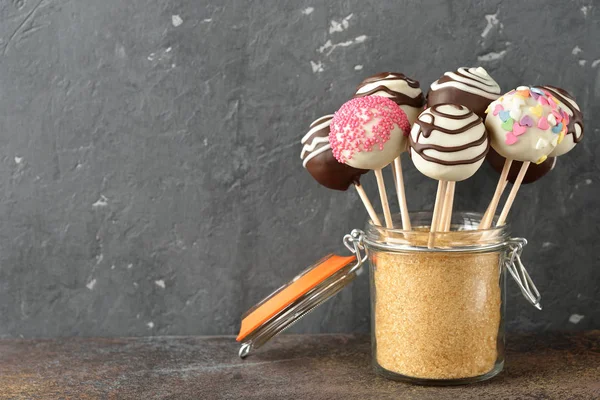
(369, 133)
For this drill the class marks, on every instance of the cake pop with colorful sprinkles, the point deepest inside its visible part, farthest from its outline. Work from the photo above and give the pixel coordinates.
(526, 124)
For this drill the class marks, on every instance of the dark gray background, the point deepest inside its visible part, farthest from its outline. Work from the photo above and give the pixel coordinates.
(150, 180)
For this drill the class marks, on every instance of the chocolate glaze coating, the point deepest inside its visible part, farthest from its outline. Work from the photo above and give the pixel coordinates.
(475, 103)
(447, 93)
(399, 98)
(323, 166)
(534, 172)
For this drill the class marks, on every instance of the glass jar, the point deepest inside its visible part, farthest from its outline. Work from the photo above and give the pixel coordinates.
(438, 300)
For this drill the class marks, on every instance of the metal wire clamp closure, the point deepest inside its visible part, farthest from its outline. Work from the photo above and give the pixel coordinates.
(354, 242)
(519, 273)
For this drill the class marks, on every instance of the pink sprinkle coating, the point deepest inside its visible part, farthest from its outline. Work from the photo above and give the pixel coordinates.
(348, 135)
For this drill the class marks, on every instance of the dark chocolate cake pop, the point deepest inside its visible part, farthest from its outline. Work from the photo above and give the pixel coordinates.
(470, 87)
(534, 172)
(318, 159)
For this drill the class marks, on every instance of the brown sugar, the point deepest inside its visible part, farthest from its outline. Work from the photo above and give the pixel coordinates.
(437, 314)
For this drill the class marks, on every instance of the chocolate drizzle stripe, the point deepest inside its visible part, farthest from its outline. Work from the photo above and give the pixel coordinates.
(448, 149)
(314, 132)
(575, 119)
(421, 148)
(469, 75)
(447, 79)
(452, 163)
(319, 121)
(399, 98)
(316, 142)
(435, 110)
(314, 153)
(426, 129)
(390, 76)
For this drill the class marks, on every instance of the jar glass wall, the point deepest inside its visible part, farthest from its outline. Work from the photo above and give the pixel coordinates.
(438, 302)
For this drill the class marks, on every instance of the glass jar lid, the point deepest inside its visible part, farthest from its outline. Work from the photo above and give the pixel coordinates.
(288, 304)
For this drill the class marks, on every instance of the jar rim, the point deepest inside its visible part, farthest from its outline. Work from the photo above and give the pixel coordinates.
(464, 236)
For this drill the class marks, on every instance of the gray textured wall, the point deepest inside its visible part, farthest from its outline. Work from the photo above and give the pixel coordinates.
(150, 180)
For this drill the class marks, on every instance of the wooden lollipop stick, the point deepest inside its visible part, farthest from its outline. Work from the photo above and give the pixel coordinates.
(399, 180)
(489, 209)
(446, 219)
(513, 194)
(384, 201)
(437, 208)
(435, 219)
(486, 221)
(365, 199)
(394, 175)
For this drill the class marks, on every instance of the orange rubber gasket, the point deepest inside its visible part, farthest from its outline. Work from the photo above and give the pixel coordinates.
(293, 292)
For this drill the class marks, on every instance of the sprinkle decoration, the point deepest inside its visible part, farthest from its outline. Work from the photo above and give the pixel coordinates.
(515, 113)
(507, 125)
(543, 124)
(518, 129)
(348, 130)
(504, 115)
(498, 108)
(526, 121)
(558, 128)
(537, 91)
(510, 138)
(557, 120)
(537, 110)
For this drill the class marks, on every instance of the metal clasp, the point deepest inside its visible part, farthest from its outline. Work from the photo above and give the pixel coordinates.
(519, 273)
(354, 242)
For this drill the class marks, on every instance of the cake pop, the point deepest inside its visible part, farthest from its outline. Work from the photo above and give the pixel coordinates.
(405, 92)
(574, 126)
(448, 142)
(319, 161)
(398, 87)
(526, 124)
(369, 133)
(473, 88)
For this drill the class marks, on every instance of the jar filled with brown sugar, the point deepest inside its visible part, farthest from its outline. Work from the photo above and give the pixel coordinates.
(437, 303)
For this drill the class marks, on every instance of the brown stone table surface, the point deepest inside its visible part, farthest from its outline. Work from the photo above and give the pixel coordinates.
(541, 366)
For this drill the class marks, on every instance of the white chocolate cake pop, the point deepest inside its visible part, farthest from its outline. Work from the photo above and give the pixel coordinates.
(575, 122)
(398, 87)
(526, 124)
(448, 142)
(368, 132)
